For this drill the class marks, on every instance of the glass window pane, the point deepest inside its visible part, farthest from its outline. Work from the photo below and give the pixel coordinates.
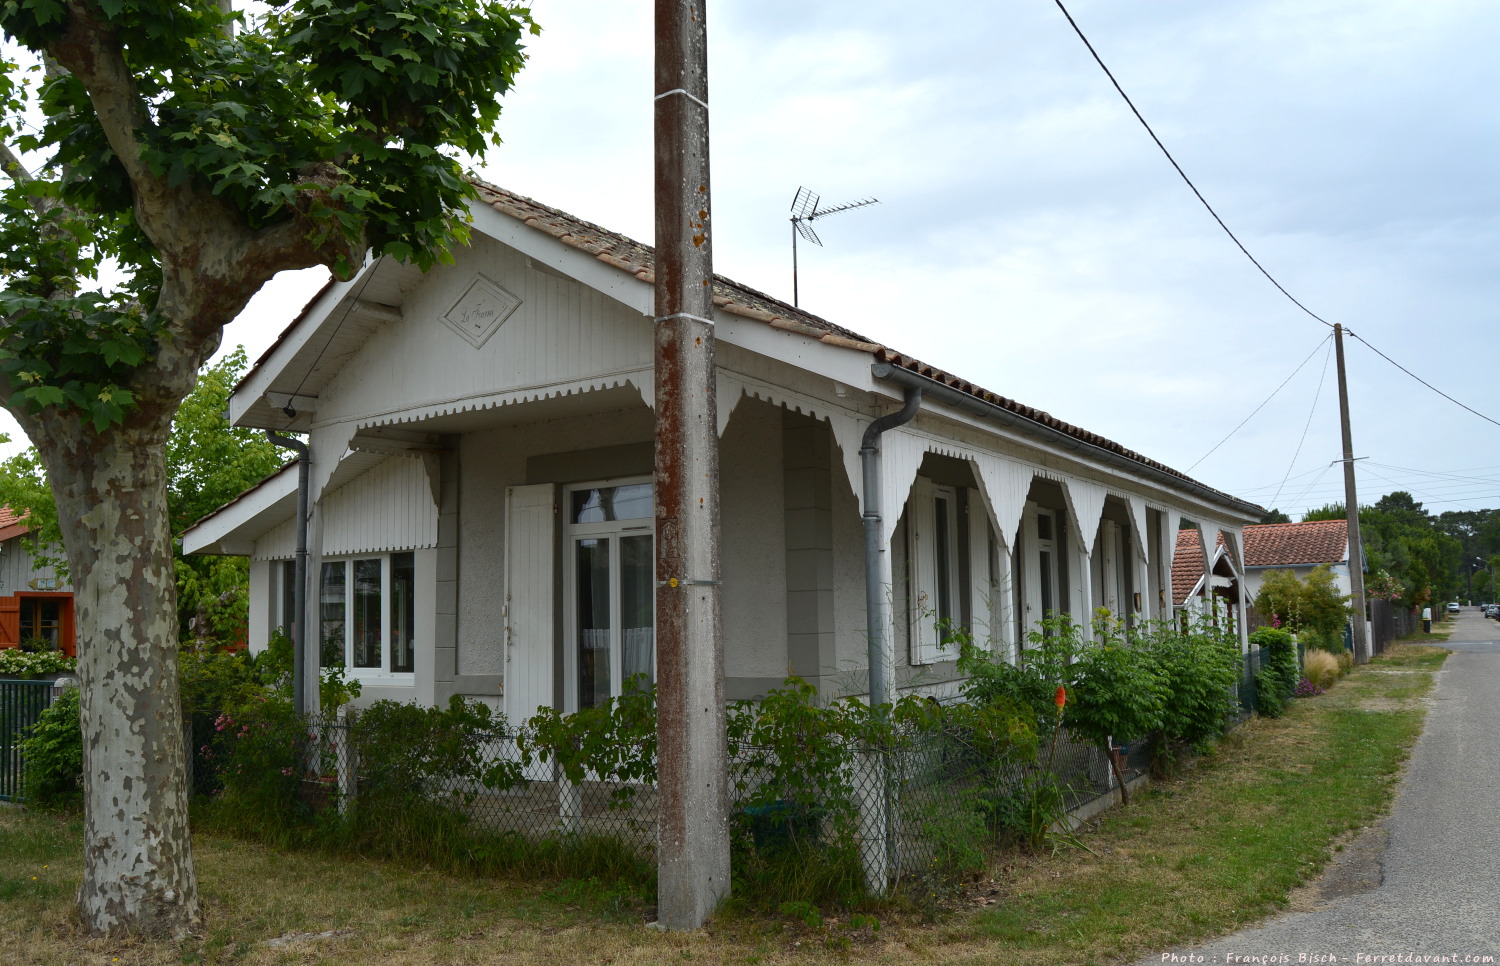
(367, 613)
(331, 614)
(941, 539)
(637, 608)
(592, 592)
(1048, 605)
(403, 613)
(608, 503)
(1044, 526)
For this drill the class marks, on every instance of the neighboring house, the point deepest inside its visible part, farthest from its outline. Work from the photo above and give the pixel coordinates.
(1221, 574)
(34, 602)
(481, 514)
(1298, 547)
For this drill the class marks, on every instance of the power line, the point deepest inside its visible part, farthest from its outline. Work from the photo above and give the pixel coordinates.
(1308, 489)
(1308, 425)
(1188, 181)
(1489, 480)
(1262, 405)
(1423, 381)
(1232, 237)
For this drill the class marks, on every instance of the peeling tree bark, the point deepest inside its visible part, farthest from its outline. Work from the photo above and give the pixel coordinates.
(111, 493)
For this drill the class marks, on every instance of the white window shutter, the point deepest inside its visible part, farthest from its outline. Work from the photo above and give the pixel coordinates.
(924, 602)
(982, 587)
(530, 548)
(1110, 570)
(1031, 567)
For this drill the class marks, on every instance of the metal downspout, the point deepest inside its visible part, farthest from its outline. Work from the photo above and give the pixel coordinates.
(299, 607)
(877, 603)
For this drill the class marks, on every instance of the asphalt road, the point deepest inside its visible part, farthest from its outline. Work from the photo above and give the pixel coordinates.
(1424, 887)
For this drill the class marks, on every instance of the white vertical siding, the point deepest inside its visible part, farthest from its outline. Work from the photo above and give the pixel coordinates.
(279, 543)
(388, 508)
(561, 332)
(17, 569)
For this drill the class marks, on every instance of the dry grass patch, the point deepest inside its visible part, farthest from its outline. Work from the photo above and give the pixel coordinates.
(1199, 856)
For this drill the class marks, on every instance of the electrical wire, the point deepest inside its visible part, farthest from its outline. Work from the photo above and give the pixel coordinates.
(1302, 497)
(1188, 181)
(1421, 380)
(1262, 405)
(1308, 425)
(369, 274)
(1232, 237)
(1488, 480)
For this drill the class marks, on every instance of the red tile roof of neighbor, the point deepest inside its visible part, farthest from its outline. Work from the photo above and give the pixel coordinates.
(1266, 545)
(11, 525)
(629, 255)
(1187, 564)
(1297, 544)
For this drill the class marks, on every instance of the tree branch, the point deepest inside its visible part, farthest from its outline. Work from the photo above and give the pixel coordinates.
(172, 218)
(11, 164)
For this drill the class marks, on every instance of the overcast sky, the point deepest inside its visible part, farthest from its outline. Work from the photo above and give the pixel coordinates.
(1031, 238)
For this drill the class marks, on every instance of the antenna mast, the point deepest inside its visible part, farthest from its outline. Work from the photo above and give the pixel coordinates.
(804, 210)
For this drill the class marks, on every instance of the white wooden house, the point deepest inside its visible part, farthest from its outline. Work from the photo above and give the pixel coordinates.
(481, 514)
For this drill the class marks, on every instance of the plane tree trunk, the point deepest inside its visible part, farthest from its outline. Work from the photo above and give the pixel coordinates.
(111, 492)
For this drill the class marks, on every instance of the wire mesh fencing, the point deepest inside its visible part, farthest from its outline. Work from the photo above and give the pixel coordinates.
(917, 801)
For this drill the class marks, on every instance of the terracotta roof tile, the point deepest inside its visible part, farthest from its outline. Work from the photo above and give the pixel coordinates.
(11, 524)
(1297, 544)
(1187, 564)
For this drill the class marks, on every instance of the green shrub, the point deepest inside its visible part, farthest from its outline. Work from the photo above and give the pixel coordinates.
(53, 752)
(1200, 667)
(1118, 693)
(216, 680)
(259, 752)
(1278, 675)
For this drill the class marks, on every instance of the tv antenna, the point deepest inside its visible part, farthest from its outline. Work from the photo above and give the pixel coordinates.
(804, 210)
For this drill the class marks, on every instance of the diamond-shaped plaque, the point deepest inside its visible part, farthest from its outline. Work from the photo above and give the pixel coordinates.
(481, 310)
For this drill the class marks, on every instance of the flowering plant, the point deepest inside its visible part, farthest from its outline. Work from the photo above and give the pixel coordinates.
(16, 663)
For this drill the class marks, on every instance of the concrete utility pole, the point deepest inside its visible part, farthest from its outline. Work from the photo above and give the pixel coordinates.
(693, 797)
(1351, 510)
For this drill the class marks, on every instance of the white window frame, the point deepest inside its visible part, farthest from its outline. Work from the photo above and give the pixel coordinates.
(315, 615)
(931, 597)
(1034, 546)
(614, 529)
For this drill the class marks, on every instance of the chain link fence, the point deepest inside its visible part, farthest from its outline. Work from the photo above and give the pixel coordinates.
(921, 801)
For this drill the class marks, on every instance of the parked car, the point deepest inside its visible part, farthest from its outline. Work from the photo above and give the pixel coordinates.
(1453, 607)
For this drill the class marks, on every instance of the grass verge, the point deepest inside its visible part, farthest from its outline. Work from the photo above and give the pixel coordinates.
(1192, 858)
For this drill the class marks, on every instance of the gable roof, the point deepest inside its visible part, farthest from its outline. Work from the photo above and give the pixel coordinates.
(636, 259)
(1297, 544)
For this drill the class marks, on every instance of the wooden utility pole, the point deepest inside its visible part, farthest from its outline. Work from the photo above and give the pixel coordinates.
(1351, 510)
(693, 798)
